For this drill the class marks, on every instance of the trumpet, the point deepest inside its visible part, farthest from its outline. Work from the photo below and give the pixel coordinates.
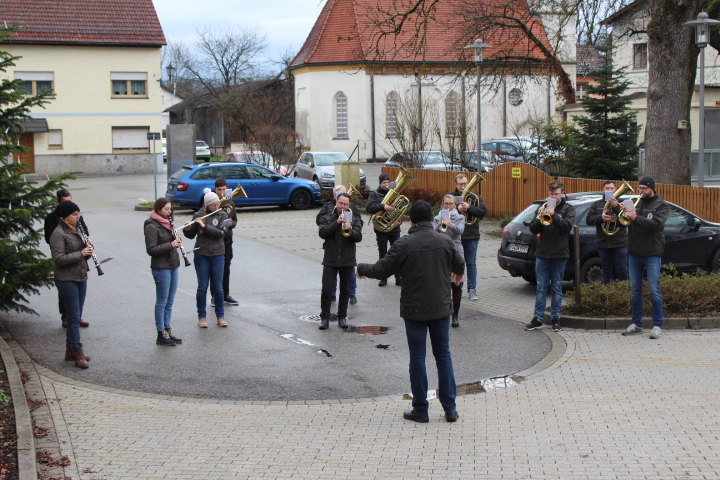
(543, 215)
(346, 231)
(182, 249)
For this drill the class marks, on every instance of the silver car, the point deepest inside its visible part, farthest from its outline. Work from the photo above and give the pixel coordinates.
(202, 151)
(428, 159)
(320, 167)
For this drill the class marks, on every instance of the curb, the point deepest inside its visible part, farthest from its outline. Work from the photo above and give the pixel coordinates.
(590, 323)
(26, 452)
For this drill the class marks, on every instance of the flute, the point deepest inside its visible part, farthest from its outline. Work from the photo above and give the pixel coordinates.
(84, 236)
(182, 249)
(176, 230)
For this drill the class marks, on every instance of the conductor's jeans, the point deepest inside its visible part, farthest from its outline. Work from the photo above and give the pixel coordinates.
(73, 299)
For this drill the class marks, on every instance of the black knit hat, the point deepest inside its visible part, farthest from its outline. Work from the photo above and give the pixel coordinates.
(420, 212)
(67, 208)
(648, 182)
(383, 177)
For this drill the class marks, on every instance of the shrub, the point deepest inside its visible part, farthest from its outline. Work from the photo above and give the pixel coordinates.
(505, 221)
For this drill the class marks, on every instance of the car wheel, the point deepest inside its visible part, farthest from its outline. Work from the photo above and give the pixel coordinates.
(591, 271)
(530, 278)
(715, 262)
(300, 199)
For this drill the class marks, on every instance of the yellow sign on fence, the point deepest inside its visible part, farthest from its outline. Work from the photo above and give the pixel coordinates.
(516, 172)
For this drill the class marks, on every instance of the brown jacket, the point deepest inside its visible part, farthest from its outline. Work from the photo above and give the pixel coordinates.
(158, 241)
(66, 245)
(210, 241)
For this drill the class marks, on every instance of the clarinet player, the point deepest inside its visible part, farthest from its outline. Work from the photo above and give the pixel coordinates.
(162, 244)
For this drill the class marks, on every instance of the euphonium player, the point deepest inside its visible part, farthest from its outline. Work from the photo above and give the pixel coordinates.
(453, 227)
(339, 258)
(374, 205)
(551, 254)
(471, 235)
(612, 249)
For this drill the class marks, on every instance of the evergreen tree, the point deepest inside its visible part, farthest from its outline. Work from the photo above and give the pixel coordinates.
(23, 204)
(604, 143)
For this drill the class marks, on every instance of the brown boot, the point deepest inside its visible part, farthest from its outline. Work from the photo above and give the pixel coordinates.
(83, 323)
(80, 359)
(70, 353)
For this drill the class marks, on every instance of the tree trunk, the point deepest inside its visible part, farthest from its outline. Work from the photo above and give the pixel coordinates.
(672, 55)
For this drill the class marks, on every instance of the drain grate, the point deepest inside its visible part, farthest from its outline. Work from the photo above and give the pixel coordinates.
(368, 329)
(316, 317)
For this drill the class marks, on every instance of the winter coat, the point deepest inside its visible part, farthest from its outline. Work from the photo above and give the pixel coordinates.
(594, 217)
(66, 245)
(210, 240)
(645, 233)
(158, 241)
(329, 206)
(375, 205)
(339, 250)
(455, 232)
(426, 259)
(52, 221)
(555, 238)
(472, 232)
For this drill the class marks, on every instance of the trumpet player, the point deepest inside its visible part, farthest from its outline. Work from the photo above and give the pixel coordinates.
(551, 254)
(339, 257)
(453, 226)
(375, 205)
(612, 249)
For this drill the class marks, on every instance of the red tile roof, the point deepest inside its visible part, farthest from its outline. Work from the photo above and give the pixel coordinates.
(83, 22)
(346, 33)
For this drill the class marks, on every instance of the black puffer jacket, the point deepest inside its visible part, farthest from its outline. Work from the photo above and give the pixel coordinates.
(158, 240)
(645, 233)
(374, 205)
(339, 250)
(426, 259)
(594, 217)
(472, 232)
(555, 238)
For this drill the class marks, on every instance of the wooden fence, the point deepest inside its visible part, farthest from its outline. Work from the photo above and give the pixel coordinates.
(512, 186)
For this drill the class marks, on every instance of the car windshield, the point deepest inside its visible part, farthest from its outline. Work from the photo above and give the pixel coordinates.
(527, 215)
(201, 143)
(328, 159)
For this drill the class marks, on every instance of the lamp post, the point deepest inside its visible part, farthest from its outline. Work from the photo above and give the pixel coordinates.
(702, 36)
(171, 77)
(478, 46)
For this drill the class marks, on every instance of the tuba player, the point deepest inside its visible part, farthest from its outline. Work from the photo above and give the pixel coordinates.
(375, 205)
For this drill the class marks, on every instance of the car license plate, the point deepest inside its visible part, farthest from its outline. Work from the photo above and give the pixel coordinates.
(171, 187)
(514, 247)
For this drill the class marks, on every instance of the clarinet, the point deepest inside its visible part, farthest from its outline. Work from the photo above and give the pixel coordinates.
(182, 249)
(84, 236)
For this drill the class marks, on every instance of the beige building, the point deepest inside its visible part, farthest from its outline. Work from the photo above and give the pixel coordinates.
(102, 63)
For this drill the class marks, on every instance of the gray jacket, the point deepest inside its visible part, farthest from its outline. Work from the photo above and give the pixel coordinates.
(209, 241)
(158, 241)
(66, 245)
(455, 232)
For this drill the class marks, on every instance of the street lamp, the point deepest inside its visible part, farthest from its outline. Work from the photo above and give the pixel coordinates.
(478, 46)
(702, 36)
(171, 77)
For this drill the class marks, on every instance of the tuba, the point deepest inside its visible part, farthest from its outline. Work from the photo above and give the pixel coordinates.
(612, 227)
(385, 221)
(472, 198)
(353, 192)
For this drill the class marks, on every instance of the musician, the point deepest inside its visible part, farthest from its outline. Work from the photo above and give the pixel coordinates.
(339, 258)
(646, 245)
(327, 208)
(471, 235)
(375, 205)
(70, 254)
(162, 244)
(612, 249)
(209, 256)
(51, 222)
(455, 226)
(551, 254)
(221, 191)
(426, 259)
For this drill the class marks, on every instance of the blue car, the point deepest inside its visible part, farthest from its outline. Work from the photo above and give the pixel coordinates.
(262, 185)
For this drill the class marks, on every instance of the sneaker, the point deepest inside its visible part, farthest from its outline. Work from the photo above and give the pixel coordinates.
(533, 325)
(556, 326)
(353, 299)
(632, 329)
(656, 332)
(472, 294)
(231, 301)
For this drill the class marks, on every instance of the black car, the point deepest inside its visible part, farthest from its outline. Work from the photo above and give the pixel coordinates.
(690, 242)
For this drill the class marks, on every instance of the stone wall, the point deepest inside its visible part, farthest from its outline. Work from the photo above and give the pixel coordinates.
(108, 164)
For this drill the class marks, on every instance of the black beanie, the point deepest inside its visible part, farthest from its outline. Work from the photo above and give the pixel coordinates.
(420, 212)
(66, 208)
(648, 182)
(383, 177)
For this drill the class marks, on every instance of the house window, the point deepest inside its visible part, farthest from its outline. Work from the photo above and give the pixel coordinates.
(55, 139)
(640, 55)
(391, 105)
(515, 97)
(451, 115)
(35, 83)
(129, 84)
(130, 139)
(341, 116)
(581, 91)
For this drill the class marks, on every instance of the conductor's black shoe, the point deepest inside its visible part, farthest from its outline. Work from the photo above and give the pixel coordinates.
(411, 415)
(342, 322)
(451, 416)
(353, 299)
(382, 282)
(231, 301)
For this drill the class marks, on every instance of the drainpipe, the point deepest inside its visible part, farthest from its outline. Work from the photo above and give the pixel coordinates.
(504, 107)
(372, 114)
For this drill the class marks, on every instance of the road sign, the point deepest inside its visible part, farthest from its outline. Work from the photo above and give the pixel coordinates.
(516, 172)
(153, 136)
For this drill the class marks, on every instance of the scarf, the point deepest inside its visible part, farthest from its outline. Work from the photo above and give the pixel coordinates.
(66, 223)
(162, 221)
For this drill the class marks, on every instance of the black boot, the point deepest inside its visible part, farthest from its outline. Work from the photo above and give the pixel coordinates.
(455, 321)
(342, 322)
(324, 323)
(164, 339)
(172, 337)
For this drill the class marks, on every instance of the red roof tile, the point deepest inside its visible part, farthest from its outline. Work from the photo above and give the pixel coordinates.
(346, 33)
(83, 22)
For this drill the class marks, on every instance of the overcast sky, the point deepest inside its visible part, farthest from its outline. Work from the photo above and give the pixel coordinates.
(287, 23)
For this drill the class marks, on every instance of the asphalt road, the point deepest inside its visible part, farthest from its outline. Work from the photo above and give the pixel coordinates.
(271, 350)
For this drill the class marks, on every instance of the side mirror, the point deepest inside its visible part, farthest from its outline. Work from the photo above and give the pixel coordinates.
(275, 178)
(696, 224)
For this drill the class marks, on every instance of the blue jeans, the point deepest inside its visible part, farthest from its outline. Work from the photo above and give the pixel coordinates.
(617, 257)
(72, 295)
(210, 270)
(651, 265)
(470, 250)
(353, 285)
(440, 341)
(547, 271)
(166, 282)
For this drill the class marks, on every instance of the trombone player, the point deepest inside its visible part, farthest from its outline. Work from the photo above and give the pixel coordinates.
(612, 240)
(375, 205)
(471, 235)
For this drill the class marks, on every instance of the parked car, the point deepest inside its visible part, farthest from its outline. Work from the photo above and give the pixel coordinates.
(428, 159)
(262, 185)
(164, 149)
(509, 150)
(259, 158)
(690, 242)
(320, 167)
(202, 151)
(488, 162)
